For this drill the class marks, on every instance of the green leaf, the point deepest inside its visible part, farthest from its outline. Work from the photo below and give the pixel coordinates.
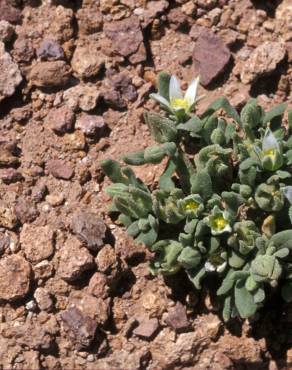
(276, 111)
(135, 159)
(113, 170)
(161, 128)
(222, 103)
(227, 309)
(193, 126)
(244, 300)
(189, 258)
(201, 184)
(165, 181)
(163, 84)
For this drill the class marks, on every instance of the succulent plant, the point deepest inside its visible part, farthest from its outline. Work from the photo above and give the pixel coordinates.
(225, 210)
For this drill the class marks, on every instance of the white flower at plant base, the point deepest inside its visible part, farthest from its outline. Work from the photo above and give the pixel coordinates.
(178, 101)
(210, 267)
(218, 221)
(270, 155)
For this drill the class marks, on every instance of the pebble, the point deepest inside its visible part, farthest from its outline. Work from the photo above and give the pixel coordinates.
(8, 218)
(87, 61)
(6, 31)
(82, 97)
(26, 211)
(177, 317)
(91, 125)
(60, 169)
(10, 175)
(60, 120)
(146, 328)
(15, 274)
(43, 299)
(55, 200)
(50, 50)
(53, 74)
(10, 76)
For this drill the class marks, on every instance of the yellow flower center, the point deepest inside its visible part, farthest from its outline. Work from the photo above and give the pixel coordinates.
(191, 205)
(219, 223)
(270, 153)
(179, 104)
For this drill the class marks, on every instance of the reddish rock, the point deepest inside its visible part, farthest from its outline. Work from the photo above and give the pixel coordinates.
(74, 260)
(126, 35)
(106, 259)
(9, 13)
(210, 56)
(177, 317)
(9, 175)
(60, 169)
(97, 285)
(15, 275)
(89, 228)
(23, 50)
(87, 61)
(60, 120)
(6, 31)
(25, 210)
(8, 218)
(37, 248)
(81, 328)
(91, 125)
(82, 97)
(49, 74)
(146, 328)
(43, 299)
(87, 24)
(177, 18)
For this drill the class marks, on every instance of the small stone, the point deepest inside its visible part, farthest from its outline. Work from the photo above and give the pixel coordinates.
(25, 210)
(106, 259)
(39, 191)
(31, 306)
(97, 309)
(10, 76)
(87, 61)
(74, 260)
(4, 242)
(60, 120)
(126, 35)
(8, 218)
(43, 299)
(50, 50)
(146, 328)
(75, 141)
(81, 96)
(15, 273)
(210, 56)
(177, 318)
(53, 74)
(10, 175)
(177, 18)
(6, 31)
(60, 169)
(89, 228)
(81, 328)
(37, 248)
(55, 200)
(262, 61)
(23, 50)
(189, 8)
(91, 125)
(97, 285)
(87, 24)
(43, 270)
(9, 13)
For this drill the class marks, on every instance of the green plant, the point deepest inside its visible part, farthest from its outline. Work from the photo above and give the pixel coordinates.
(224, 210)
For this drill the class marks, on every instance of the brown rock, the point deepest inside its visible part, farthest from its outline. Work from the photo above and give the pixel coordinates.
(8, 217)
(44, 74)
(15, 275)
(10, 76)
(9, 13)
(81, 328)
(177, 317)
(91, 125)
(74, 260)
(6, 31)
(87, 24)
(25, 210)
(97, 309)
(43, 299)
(87, 61)
(60, 120)
(81, 96)
(177, 18)
(146, 328)
(89, 228)
(126, 35)
(106, 259)
(37, 242)
(97, 285)
(210, 56)
(23, 50)
(60, 169)
(4, 243)
(9, 175)
(262, 61)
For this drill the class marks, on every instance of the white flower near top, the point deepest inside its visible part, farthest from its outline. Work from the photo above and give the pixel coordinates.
(178, 101)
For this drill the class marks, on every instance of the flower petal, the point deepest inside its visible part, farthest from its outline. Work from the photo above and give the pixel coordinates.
(269, 141)
(174, 89)
(191, 92)
(287, 190)
(160, 99)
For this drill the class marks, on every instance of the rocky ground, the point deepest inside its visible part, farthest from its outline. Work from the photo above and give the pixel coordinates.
(75, 76)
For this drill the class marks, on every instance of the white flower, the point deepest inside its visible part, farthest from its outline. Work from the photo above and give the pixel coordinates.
(270, 145)
(178, 101)
(287, 190)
